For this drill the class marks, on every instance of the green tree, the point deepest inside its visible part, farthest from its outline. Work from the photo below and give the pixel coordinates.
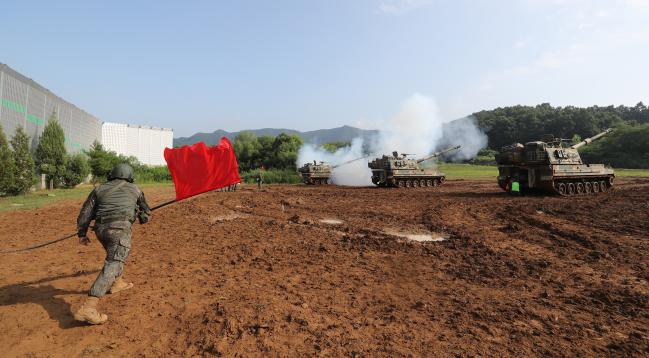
(7, 165)
(50, 154)
(25, 171)
(265, 151)
(285, 150)
(76, 170)
(101, 161)
(246, 147)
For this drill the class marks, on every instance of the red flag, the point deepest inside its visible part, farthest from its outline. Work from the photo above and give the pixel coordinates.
(198, 168)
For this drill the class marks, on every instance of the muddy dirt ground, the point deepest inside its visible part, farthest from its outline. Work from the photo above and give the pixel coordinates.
(256, 272)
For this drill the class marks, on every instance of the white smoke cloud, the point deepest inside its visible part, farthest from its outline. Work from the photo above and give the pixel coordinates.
(356, 173)
(464, 132)
(416, 129)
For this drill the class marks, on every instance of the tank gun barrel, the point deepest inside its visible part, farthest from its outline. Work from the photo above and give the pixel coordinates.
(591, 139)
(437, 154)
(349, 161)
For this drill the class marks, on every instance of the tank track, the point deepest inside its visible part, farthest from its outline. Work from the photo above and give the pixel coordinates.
(316, 181)
(416, 182)
(582, 186)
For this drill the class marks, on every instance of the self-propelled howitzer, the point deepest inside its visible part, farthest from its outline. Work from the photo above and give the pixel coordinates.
(319, 173)
(400, 171)
(549, 166)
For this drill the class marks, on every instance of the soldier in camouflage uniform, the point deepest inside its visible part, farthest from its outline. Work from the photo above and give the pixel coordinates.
(114, 206)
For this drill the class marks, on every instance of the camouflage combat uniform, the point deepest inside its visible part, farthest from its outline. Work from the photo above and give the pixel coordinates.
(114, 207)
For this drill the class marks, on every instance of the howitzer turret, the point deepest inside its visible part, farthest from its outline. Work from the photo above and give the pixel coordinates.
(319, 173)
(550, 167)
(401, 171)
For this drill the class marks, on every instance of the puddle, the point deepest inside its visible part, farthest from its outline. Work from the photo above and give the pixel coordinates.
(430, 237)
(331, 221)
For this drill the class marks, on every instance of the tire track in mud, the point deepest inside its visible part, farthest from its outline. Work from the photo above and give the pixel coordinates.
(233, 274)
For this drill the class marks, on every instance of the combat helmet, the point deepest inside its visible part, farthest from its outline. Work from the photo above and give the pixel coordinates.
(121, 171)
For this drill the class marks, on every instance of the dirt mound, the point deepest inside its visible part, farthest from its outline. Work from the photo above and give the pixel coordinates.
(262, 272)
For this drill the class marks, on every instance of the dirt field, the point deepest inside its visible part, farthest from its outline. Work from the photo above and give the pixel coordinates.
(257, 272)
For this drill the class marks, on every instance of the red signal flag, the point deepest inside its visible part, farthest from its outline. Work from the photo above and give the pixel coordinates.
(198, 168)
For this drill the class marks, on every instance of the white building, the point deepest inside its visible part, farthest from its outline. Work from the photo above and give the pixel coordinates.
(145, 143)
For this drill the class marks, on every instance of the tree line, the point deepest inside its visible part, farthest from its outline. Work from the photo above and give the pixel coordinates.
(626, 147)
(278, 152)
(20, 166)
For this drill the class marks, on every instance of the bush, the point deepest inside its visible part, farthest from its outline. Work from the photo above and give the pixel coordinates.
(101, 161)
(147, 174)
(485, 157)
(76, 170)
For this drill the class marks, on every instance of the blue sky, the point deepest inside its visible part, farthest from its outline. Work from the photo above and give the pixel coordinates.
(204, 65)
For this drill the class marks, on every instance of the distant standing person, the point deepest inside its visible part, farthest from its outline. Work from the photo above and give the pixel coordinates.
(260, 178)
(114, 206)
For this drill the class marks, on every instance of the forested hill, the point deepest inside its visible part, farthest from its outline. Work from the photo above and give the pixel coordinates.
(321, 136)
(627, 146)
(522, 124)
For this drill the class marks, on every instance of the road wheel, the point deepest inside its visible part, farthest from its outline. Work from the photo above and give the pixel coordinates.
(429, 182)
(595, 187)
(408, 184)
(415, 183)
(602, 186)
(436, 182)
(401, 183)
(571, 188)
(588, 188)
(561, 188)
(579, 188)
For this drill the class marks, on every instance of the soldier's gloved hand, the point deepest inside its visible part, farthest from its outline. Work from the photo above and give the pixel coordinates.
(84, 240)
(142, 217)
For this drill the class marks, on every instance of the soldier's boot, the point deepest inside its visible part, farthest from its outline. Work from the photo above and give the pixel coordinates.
(88, 312)
(120, 285)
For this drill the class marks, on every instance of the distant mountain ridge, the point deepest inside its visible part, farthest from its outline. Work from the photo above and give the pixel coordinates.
(320, 136)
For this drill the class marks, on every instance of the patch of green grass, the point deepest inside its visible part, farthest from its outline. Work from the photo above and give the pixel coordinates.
(40, 198)
(468, 171)
(632, 172)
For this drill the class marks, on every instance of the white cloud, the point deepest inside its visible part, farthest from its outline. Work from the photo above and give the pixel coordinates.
(638, 4)
(398, 7)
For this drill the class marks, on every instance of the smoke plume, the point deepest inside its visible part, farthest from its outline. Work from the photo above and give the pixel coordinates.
(416, 129)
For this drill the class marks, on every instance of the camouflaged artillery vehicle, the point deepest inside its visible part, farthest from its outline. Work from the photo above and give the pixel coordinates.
(400, 171)
(319, 173)
(549, 166)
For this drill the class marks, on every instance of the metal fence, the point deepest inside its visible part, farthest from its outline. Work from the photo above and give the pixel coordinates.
(27, 104)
